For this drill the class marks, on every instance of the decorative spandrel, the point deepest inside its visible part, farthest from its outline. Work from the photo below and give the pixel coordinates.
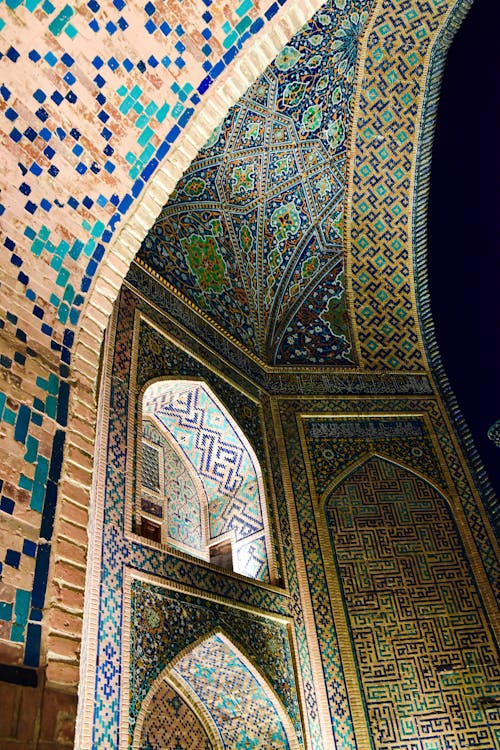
(252, 235)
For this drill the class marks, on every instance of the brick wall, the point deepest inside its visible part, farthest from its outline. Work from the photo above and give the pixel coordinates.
(101, 109)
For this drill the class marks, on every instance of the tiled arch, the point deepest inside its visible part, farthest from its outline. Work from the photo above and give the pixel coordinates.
(168, 710)
(76, 479)
(405, 590)
(223, 464)
(232, 699)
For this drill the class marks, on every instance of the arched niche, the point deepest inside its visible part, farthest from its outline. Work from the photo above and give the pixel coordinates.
(422, 648)
(223, 698)
(199, 484)
(170, 721)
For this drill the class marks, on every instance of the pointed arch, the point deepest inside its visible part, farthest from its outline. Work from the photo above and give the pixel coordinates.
(361, 460)
(405, 594)
(230, 697)
(182, 500)
(215, 453)
(168, 704)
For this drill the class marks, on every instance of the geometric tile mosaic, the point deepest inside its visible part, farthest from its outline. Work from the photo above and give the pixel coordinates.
(174, 501)
(286, 281)
(240, 707)
(166, 624)
(216, 449)
(170, 721)
(323, 447)
(428, 663)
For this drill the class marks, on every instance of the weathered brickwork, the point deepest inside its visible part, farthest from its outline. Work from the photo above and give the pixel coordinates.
(84, 132)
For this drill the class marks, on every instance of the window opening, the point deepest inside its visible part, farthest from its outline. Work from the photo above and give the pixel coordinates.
(201, 488)
(221, 554)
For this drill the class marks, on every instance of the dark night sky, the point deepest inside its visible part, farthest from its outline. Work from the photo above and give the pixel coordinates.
(464, 224)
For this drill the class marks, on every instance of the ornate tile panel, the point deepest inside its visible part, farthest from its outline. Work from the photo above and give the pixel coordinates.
(323, 452)
(171, 720)
(177, 501)
(252, 234)
(171, 622)
(239, 705)
(428, 664)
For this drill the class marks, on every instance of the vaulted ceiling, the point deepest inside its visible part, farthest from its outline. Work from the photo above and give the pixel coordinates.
(253, 234)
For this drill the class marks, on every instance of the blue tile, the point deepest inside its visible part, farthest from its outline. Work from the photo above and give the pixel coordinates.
(149, 169)
(32, 648)
(62, 405)
(125, 203)
(15, 135)
(12, 558)
(271, 11)
(49, 510)
(29, 548)
(205, 84)
(12, 54)
(7, 505)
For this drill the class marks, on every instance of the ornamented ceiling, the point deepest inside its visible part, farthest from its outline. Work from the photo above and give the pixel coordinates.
(252, 235)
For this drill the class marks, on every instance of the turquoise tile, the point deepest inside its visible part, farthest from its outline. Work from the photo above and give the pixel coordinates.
(37, 498)
(62, 277)
(244, 8)
(142, 121)
(145, 136)
(41, 470)
(98, 229)
(69, 294)
(61, 20)
(70, 31)
(25, 483)
(32, 445)
(9, 416)
(53, 384)
(51, 406)
(5, 611)
(63, 312)
(151, 109)
(162, 112)
(17, 633)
